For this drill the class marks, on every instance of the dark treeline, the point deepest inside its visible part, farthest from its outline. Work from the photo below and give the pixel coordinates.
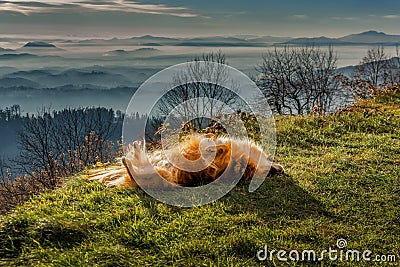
(50, 145)
(11, 122)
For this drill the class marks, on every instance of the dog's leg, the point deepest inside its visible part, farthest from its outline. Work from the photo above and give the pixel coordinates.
(265, 167)
(112, 176)
(132, 163)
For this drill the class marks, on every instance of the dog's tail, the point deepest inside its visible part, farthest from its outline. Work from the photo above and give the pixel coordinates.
(113, 176)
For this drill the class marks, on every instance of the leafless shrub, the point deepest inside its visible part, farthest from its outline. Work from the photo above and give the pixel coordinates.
(54, 146)
(300, 80)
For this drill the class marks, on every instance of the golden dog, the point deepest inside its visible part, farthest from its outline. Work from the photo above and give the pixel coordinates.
(198, 159)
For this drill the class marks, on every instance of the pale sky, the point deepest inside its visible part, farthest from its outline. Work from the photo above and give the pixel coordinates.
(123, 18)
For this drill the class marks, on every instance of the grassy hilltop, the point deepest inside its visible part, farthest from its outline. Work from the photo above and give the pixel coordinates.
(342, 181)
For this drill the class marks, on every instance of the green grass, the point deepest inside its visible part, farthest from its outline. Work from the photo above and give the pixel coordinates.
(342, 181)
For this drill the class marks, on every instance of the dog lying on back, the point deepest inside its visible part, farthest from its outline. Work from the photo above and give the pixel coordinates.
(199, 159)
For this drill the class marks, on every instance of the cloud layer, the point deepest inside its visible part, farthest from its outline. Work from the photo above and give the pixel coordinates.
(125, 6)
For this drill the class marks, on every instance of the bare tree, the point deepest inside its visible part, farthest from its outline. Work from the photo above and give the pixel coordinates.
(14, 190)
(376, 71)
(55, 146)
(199, 100)
(7, 194)
(392, 73)
(373, 67)
(299, 80)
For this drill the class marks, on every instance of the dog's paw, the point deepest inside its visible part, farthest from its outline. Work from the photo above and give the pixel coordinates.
(136, 160)
(276, 169)
(135, 153)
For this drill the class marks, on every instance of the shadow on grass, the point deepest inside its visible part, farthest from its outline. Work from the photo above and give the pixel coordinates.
(279, 200)
(14, 236)
(278, 196)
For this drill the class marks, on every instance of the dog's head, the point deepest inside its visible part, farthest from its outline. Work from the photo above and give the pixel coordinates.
(214, 156)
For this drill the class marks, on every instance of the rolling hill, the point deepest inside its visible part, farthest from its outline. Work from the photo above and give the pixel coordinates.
(341, 183)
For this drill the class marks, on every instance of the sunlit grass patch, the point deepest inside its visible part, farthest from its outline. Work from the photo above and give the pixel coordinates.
(342, 181)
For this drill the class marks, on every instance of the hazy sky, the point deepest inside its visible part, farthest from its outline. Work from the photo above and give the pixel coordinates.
(121, 18)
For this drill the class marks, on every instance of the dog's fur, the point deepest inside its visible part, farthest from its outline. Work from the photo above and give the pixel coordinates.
(247, 158)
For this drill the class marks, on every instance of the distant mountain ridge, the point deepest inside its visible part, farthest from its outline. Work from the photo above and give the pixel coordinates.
(363, 38)
(93, 77)
(222, 41)
(74, 77)
(39, 45)
(2, 50)
(146, 51)
(371, 37)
